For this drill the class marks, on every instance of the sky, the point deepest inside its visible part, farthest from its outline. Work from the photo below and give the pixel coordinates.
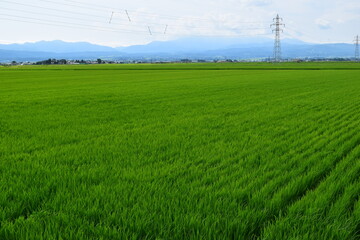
(123, 23)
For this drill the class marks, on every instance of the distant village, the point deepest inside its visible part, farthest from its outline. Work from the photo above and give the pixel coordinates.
(154, 61)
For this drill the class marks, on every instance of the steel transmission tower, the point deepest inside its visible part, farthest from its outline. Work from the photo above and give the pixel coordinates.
(277, 28)
(357, 40)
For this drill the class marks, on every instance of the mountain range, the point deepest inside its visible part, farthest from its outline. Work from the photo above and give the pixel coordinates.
(189, 48)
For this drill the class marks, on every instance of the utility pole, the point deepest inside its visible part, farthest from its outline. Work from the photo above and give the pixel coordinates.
(357, 40)
(277, 28)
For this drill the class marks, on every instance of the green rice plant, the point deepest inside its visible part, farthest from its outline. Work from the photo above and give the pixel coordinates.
(180, 151)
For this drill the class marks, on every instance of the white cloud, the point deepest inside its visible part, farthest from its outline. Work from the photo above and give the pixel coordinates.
(303, 18)
(323, 23)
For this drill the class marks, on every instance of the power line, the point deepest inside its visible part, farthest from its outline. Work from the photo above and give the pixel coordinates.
(57, 10)
(72, 5)
(96, 7)
(112, 14)
(108, 8)
(277, 45)
(88, 27)
(101, 8)
(52, 9)
(86, 20)
(103, 18)
(53, 24)
(70, 24)
(60, 16)
(73, 24)
(127, 14)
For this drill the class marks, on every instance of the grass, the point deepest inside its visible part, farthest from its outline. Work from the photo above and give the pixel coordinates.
(224, 151)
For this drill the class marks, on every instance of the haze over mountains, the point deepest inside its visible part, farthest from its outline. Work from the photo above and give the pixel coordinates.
(190, 48)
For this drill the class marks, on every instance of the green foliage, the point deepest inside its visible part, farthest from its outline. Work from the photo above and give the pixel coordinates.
(180, 151)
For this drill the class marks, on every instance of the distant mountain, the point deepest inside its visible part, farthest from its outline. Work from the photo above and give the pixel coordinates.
(192, 48)
(202, 44)
(57, 47)
(289, 50)
(195, 45)
(32, 56)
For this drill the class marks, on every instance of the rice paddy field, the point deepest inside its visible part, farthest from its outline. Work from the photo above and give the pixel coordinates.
(180, 151)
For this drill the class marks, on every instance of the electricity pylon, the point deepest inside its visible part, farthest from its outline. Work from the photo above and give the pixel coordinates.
(277, 28)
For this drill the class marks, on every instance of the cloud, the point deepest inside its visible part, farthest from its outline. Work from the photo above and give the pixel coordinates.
(304, 19)
(261, 3)
(322, 23)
